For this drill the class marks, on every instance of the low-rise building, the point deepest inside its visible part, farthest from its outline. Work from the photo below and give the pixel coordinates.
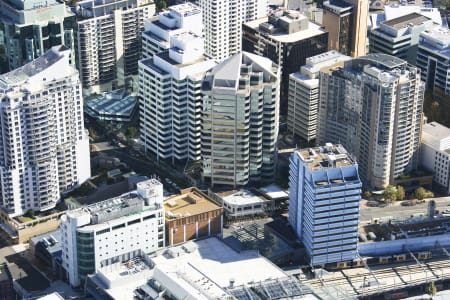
(112, 231)
(47, 249)
(435, 153)
(191, 215)
(242, 203)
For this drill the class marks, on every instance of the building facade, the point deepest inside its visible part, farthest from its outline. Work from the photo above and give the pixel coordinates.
(303, 97)
(45, 148)
(29, 28)
(433, 59)
(288, 39)
(191, 215)
(373, 106)
(240, 120)
(112, 231)
(435, 153)
(346, 22)
(223, 24)
(324, 195)
(170, 98)
(186, 17)
(108, 41)
(400, 36)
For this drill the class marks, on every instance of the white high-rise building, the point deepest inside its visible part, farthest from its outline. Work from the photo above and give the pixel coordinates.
(303, 97)
(108, 40)
(45, 148)
(177, 19)
(223, 24)
(241, 99)
(171, 101)
(112, 231)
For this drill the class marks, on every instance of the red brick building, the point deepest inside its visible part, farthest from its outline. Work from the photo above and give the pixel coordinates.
(191, 215)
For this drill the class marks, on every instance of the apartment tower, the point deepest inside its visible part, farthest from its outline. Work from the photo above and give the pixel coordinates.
(45, 148)
(108, 39)
(170, 98)
(346, 22)
(303, 98)
(240, 120)
(324, 195)
(223, 24)
(373, 106)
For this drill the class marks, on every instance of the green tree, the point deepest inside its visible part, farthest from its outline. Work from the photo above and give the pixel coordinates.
(432, 290)
(131, 132)
(367, 194)
(420, 193)
(434, 114)
(400, 193)
(390, 194)
(160, 5)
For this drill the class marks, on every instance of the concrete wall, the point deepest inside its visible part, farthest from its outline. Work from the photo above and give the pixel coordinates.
(402, 246)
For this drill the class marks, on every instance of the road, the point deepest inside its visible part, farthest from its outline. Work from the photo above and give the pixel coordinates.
(397, 210)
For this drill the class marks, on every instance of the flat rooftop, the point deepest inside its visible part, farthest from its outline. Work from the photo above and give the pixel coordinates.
(436, 130)
(185, 9)
(191, 202)
(241, 197)
(274, 192)
(409, 20)
(330, 156)
(283, 37)
(117, 104)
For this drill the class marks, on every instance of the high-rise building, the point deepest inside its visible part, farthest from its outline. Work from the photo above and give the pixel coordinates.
(45, 148)
(186, 17)
(400, 36)
(435, 153)
(240, 120)
(373, 106)
(324, 195)
(29, 28)
(303, 98)
(223, 24)
(108, 41)
(433, 59)
(287, 38)
(346, 23)
(112, 231)
(170, 98)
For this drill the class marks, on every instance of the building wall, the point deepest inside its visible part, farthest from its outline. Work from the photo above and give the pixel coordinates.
(193, 227)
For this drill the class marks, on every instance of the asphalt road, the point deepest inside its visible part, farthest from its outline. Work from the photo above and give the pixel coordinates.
(398, 210)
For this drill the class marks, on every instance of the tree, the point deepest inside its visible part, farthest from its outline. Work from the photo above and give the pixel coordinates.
(390, 194)
(367, 195)
(160, 5)
(420, 193)
(400, 193)
(432, 290)
(434, 114)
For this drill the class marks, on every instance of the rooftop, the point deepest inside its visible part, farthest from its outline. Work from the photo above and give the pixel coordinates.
(436, 130)
(191, 202)
(330, 156)
(274, 192)
(116, 105)
(50, 240)
(283, 37)
(186, 9)
(241, 197)
(410, 20)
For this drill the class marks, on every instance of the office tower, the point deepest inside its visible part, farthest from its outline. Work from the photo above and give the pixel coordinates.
(324, 194)
(108, 39)
(112, 231)
(287, 38)
(400, 36)
(240, 120)
(223, 24)
(45, 148)
(303, 98)
(29, 28)
(177, 19)
(170, 98)
(433, 59)
(373, 106)
(435, 153)
(395, 11)
(346, 23)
